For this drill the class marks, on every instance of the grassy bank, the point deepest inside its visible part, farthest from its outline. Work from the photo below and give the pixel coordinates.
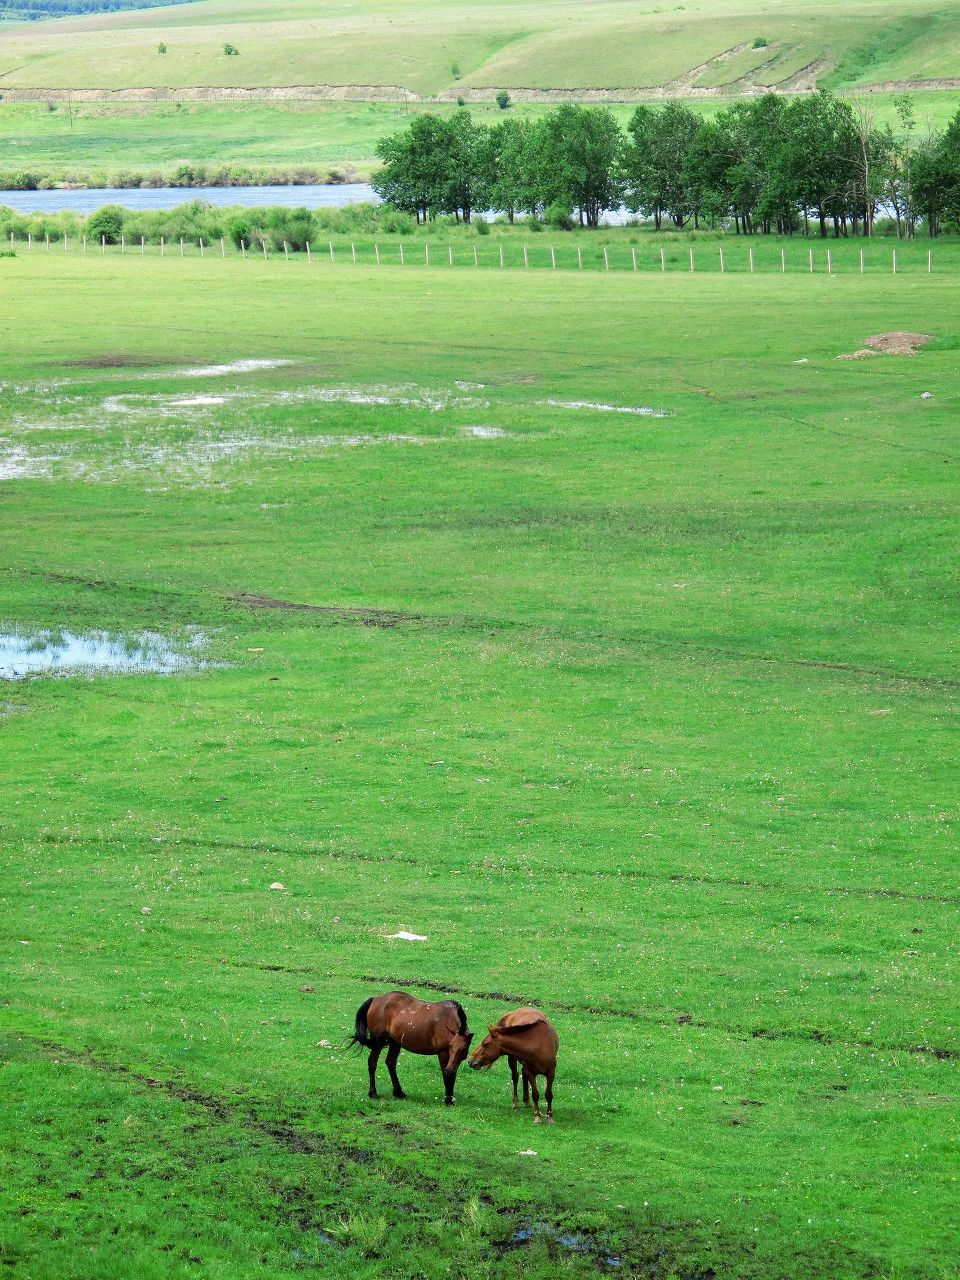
(645, 719)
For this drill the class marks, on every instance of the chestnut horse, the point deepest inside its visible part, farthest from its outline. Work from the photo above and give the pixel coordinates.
(397, 1021)
(527, 1038)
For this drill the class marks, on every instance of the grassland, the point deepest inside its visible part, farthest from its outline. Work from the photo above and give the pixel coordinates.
(96, 138)
(650, 720)
(428, 48)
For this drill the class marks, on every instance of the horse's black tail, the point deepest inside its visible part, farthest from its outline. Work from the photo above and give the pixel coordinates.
(361, 1032)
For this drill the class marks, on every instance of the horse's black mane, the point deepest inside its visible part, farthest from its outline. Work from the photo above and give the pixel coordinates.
(463, 1017)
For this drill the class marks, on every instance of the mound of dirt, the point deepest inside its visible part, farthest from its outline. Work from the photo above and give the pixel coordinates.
(899, 342)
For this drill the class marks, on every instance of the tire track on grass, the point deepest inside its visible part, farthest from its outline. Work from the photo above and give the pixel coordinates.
(484, 868)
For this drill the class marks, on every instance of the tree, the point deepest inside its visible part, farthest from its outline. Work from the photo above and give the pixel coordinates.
(466, 185)
(414, 171)
(655, 162)
(106, 224)
(503, 99)
(581, 160)
(512, 156)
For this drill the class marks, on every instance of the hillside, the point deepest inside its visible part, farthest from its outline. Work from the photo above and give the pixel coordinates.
(538, 49)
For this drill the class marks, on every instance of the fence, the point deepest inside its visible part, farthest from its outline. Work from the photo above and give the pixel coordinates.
(838, 258)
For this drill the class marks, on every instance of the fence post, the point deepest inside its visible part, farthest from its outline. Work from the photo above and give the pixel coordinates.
(30, 242)
(353, 251)
(750, 251)
(501, 255)
(181, 246)
(223, 248)
(263, 245)
(103, 244)
(376, 252)
(894, 262)
(450, 254)
(811, 261)
(861, 262)
(286, 251)
(829, 263)
(553, 257)
(48, 242)
(722, 267)
(579, 258)
(691, 259)
(783, 261)
(243, 250)
(309, 259)
(331, 251)
(633, 257)
(123, 243)
(200, 238)
(606, 259)
(162, 247)
(401, 253)
(84, 244)
(426, 252)
(929, 261)
(526, 260)
(142, 246)
(476, 262)
(64, 242)
(663, 261)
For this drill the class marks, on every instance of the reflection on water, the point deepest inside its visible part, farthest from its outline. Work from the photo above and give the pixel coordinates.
(32, 653)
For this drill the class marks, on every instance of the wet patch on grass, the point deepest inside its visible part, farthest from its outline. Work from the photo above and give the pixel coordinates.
(25, 654)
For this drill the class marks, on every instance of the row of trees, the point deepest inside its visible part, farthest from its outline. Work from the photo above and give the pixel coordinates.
(768, 164)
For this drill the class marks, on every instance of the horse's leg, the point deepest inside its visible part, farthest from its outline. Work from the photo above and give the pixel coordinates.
(393, 1053)
(449, 1076)
(526, 1088)
(516, 1076)
(549, 1094)
(372, 1068)
(537, 1118)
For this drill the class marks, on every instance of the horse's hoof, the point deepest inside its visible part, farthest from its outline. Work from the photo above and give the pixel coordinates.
(399, 1094)
(549, 1120)
(538, 1119)
(448, 1102)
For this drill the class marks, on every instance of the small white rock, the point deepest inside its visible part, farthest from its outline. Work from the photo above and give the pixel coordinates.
(804, 360)
(408, 937)
(926, 395)
(323, 1044)
(277, 885)
(146, 911)
(528, 1152)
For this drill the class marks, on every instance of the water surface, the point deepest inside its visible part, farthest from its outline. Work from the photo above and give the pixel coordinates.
(87, 199)
(33, 653)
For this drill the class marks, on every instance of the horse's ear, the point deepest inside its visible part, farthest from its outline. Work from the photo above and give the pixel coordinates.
(469, 1037)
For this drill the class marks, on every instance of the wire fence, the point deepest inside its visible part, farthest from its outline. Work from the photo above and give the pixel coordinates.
(839, 258)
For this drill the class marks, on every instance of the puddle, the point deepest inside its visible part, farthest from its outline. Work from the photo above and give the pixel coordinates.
(406, 936)
(486, 433)
(643, 411)
(35, 653)
(18, 464)
(406, 395)
(235, 366)
(571, 1241)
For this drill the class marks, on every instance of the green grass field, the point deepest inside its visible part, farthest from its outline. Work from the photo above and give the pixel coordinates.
(93, 137)
(428, 48)
(649, 720)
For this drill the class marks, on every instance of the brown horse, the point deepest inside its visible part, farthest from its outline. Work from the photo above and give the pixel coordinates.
(527, 1038)
(397, 1021)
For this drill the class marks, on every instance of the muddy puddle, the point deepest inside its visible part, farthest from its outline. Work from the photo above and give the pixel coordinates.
(570, 1241)
(25, 653)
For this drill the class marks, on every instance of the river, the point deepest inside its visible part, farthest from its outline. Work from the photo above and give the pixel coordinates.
(86, 199)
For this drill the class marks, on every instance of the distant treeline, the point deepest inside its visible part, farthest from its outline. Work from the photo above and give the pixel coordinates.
(184, 175)
(33, 10)
(273, 226)
(763, 165)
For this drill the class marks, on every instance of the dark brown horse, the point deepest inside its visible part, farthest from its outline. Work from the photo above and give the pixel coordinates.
(397, 1021)
(528, 1039)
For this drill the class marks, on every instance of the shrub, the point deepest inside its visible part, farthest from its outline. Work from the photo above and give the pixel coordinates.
(455, 70)
(461, 101)
(106, 223)
(760, 43)
(161, 47)
(558, 215)
(503, 99)
(231, 50)
(482, 227)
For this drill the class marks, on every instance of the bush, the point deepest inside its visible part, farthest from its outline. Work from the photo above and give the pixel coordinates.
(161, 48)
(558, 215)
(106, 224)
(503, 99)
(482, 227)
(760, 43)
(231, 50)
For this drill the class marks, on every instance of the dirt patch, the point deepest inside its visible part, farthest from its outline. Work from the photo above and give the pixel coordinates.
(898, 342)
(113, 360)
(365, 617)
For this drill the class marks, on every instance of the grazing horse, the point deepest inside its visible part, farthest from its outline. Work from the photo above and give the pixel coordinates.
(397, 1021)
(527, 1038)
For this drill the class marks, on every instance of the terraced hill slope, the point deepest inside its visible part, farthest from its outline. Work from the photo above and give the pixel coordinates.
(537, 49)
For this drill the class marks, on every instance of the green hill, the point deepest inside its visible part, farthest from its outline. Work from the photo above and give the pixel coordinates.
(535, 48)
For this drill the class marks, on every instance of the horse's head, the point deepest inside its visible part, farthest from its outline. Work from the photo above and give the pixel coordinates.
(459, 1048)
(487, 1051)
